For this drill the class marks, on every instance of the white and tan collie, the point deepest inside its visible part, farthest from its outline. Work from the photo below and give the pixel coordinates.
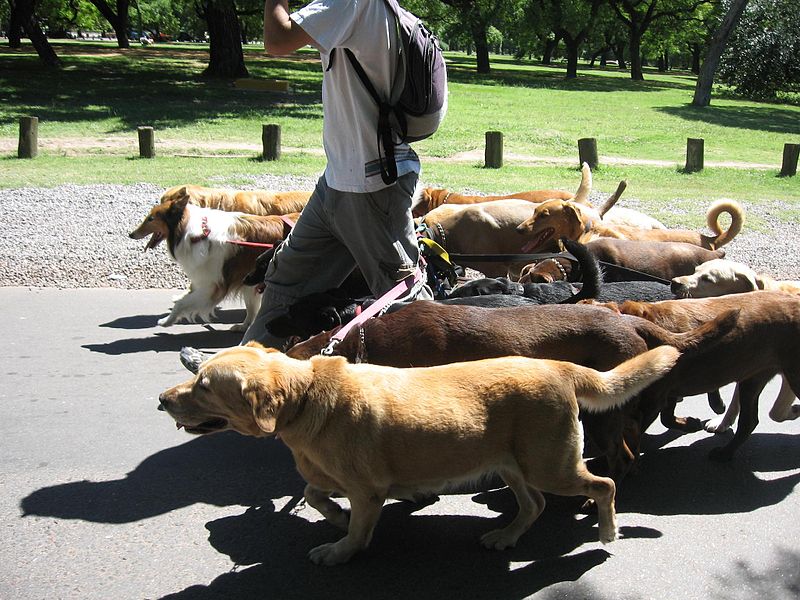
(200, 240)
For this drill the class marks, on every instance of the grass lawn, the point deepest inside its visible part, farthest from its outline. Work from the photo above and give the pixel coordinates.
(90, 109)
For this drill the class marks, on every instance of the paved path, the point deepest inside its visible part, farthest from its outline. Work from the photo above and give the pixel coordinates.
(101, 497)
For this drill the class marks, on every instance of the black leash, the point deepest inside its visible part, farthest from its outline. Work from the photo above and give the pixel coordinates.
(633, 274)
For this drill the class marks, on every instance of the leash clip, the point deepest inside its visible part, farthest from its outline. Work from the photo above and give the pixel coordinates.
(330, 347)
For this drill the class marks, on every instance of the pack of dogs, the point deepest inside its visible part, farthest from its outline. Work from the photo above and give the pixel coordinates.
(546, 373)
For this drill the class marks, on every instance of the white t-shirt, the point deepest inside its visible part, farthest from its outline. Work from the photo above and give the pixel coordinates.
(350, 115)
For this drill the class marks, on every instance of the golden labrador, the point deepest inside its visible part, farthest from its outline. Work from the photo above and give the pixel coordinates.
(371, 432)
(254, 202)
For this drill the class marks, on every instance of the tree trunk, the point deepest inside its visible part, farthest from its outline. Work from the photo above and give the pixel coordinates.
(702, 91)
(572, 47)
(14, 26)
(225, 41)
(696, 50)
(549, 48)
(635, 44)
(35, 33)
(619, 54)
(481, 47)
(118, 20)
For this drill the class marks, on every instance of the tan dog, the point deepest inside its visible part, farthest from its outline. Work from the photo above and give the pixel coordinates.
(254, 202)
(721, 276)
(371, 432)
(431, 198)
(555, 219)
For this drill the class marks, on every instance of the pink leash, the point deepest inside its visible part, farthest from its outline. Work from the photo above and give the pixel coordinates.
(373, 309)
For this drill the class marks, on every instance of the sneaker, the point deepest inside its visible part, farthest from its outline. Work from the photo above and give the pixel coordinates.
(192, 358)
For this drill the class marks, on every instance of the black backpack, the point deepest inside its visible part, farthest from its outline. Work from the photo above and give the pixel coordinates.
(419, 91)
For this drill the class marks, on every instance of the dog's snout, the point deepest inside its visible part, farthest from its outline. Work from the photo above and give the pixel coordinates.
(677, 287)
(162, 401)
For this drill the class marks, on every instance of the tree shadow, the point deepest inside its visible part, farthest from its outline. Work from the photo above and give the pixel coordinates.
(760, 118)
(781, 580)
(158, 88)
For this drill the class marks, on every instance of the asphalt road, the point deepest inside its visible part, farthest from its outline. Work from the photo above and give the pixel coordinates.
(101, 497)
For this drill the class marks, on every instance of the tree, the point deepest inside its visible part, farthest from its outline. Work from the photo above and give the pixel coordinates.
(762, 57)
(639, 15)
(225, 40)
(477, 16)
(572, 22)
(705, 81)
(23, 17)
(118, 20)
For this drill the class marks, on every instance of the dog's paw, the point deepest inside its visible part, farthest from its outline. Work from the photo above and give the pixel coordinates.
(499, 539)
(166, 321)
(330, 554)
(718, 425)
(606, 537)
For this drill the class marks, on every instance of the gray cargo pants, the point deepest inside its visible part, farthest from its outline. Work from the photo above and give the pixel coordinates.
(335, 232)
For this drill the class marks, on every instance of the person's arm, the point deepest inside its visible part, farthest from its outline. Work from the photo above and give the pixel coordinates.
(282, 35)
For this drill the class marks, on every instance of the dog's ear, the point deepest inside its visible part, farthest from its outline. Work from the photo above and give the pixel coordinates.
(255, 344)
(265, 404)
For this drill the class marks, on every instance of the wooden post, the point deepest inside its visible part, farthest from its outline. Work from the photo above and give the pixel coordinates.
(791, 152)
(271, 141)
(147, 142)
(694, 155)
(28, 146)
(493, 155)
(587, 152)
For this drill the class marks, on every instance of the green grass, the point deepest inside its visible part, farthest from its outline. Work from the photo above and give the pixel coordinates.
(94, 104)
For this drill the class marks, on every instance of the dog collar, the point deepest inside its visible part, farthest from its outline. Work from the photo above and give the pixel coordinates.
(205, 232)
(559, 266)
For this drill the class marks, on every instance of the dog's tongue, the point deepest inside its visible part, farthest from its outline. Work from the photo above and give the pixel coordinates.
(530, 246)
(154, 241)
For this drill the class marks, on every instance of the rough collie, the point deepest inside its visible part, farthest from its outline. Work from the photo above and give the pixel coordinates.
(254, 202)
(199, 240)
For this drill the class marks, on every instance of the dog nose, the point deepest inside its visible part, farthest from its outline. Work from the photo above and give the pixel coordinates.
(162, 402)
(676, 287)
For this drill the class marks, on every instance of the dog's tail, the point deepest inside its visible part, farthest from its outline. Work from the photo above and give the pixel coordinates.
(736, 212)
(693, 342)
(601, 391)
(582, 195)
(591, 274)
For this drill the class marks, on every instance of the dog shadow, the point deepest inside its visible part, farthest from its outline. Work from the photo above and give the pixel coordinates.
(224, 469)
(222, 316)
(700, 486)
(207, 338)
(269, 550)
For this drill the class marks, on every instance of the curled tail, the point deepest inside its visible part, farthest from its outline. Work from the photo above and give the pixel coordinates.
(736, 212)
(591, 275)
(599, 391)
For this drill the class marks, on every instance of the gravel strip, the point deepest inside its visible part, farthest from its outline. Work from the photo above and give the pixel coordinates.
(75, 236)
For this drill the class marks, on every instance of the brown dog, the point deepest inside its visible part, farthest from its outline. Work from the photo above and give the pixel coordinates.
(664, 260)
(764, 343)
(371, 433)
(254, 202)
(556, 219)
(428, 333)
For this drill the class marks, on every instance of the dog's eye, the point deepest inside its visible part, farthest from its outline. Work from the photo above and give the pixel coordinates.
(150, 218)
(204, 384)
